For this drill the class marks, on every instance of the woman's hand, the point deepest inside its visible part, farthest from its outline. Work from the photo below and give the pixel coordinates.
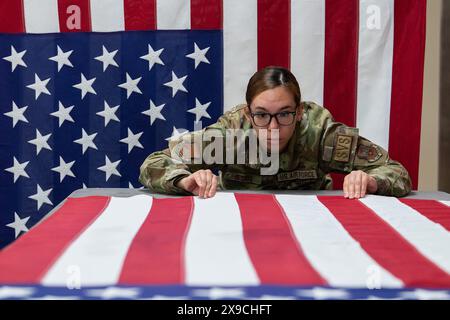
(358, 183)
(202, 183)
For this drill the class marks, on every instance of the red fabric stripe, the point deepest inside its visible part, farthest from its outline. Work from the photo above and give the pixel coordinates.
(206, 14)
(140, 14)
(28, 259)
(156, 255)
(11, 16)
(433, 210)
(407, 84)
(272, 247)
(341, 61)
(274, 38)
(67, 17)
(385, 245)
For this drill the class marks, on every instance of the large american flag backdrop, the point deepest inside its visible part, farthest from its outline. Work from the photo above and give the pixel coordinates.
(89, 88)
(236, 246)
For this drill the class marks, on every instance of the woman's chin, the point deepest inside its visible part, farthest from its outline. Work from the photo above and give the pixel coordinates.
(275, 146)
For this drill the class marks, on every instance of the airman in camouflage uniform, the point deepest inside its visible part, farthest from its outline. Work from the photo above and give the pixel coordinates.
(318, 146)
(309, 145)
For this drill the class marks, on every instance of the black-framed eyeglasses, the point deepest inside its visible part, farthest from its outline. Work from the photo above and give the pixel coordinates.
(263, 119)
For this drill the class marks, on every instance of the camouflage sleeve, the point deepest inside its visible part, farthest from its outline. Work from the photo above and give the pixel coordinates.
(160, 173)
(344, 151)
(161, 170)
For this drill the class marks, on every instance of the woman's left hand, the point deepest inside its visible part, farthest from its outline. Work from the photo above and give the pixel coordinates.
(358, 183)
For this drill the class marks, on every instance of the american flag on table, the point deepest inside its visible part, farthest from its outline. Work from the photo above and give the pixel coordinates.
(234, 245)
(88, 88)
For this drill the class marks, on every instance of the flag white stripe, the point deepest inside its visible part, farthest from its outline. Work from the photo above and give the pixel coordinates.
(240, 45)
(308, 47)
(447, 203)
(329, 247)
(41, 16)
(376, 47)
(173, 14)
(107, 15)
(215, 251)
(98, 254)
(429, 238)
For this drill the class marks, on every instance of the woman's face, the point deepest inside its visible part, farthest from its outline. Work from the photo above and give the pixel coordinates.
(273, 101)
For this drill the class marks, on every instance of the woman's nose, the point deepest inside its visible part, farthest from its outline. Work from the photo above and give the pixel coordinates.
(273, 123)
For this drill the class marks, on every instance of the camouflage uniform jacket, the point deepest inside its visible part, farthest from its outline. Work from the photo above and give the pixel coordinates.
(319, 145)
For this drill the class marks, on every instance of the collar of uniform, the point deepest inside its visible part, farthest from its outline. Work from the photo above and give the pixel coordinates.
(246, 124)
(304, 122)
(289, 156)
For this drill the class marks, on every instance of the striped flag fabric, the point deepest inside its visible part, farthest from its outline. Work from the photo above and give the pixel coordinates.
(89, 88)
(236, 240)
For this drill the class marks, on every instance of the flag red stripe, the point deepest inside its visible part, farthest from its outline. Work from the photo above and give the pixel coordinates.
(274, 38)
(341, 59)
(11, 16)
(66, 18)
(385, 245)
(206, 14)
(433, 210)
(407, 84)
(273, 249)
(341, 64)
(156, 255)
(27, 260)
(140, 14)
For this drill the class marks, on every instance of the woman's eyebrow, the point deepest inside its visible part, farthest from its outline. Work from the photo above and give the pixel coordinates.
(264, 109)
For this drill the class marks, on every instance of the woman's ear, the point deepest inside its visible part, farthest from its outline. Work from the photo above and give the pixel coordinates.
(299, 112)
(247, 113)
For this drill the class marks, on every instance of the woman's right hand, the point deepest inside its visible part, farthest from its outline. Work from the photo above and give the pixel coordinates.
(202, 183)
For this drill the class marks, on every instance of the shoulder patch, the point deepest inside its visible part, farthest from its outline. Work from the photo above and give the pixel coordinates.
(371, 153)
(343, 148)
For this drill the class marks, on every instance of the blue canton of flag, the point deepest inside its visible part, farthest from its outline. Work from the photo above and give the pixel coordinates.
(85, 109)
